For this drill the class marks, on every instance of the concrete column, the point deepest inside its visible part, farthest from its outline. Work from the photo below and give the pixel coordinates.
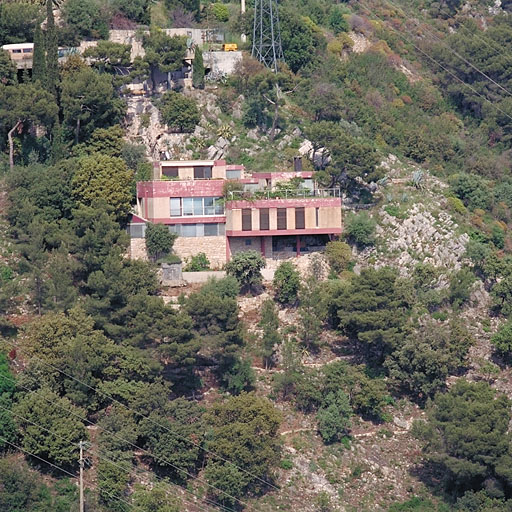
(228, 249)
(243, 36)
(298, 245)
(262, 241)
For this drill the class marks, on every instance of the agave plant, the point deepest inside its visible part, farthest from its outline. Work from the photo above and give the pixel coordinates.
(225, 131)
(418, 178)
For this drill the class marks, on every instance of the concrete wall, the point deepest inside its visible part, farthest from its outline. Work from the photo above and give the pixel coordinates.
(222, 62)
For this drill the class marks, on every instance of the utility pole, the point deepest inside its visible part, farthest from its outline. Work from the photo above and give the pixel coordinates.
(243, 37)
(81, 444)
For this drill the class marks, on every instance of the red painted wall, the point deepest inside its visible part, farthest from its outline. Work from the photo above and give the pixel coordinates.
(189, 188)
(190, 220)
(283, 175)
(316, 202)
(277, 232)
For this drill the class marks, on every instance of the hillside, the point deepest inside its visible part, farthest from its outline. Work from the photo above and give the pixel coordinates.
(372, 375)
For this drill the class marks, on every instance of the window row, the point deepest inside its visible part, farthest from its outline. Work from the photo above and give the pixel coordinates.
(196, 206)
(196, 230)
(200, 172)
(300, 221)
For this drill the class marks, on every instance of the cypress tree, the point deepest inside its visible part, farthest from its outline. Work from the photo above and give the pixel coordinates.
(198, 71)
(39, 60)
(52, 50)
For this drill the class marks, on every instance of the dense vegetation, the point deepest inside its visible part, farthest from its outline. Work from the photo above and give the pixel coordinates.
(189, 395)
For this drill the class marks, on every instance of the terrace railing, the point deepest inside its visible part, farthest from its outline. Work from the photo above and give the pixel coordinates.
(305, 193)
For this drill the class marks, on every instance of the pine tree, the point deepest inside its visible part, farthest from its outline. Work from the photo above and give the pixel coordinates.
(198, 72)
(39, 63)
(52, 50)
(270, 324)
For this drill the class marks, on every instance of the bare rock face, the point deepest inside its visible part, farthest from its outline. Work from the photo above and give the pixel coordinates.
(143, 126)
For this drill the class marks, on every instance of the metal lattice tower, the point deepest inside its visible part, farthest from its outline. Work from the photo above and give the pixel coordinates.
(266, 38)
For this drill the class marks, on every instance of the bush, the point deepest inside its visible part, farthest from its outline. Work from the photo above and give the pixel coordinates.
(467, 437)
(457, 205)
(460, 286)
(159, 240)
(226, 287)
(220, 12)
(238, 377)
(502, 340)
(286, 283)
(246, 268)
(197, 263)
(360, 229)
(179, 112)
(337, 21)
(333, 418)
(338, 255)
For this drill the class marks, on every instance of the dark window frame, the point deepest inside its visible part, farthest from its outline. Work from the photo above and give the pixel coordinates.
(264, 219)
(300, 218)
(281, 219)
(246, 219)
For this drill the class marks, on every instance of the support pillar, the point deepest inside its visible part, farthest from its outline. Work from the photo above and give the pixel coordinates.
(262, 242)
(228, 249)
(298, 245)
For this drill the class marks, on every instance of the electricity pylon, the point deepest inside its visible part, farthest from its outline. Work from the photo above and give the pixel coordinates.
(266, 39)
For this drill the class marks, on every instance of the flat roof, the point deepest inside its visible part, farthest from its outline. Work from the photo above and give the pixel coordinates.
(186, 163)
(18, 46)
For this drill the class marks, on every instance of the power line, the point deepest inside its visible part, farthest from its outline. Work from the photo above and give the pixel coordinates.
(82, 446)
(435, 61)
(457, 54)
(160, 459)
(56, 467)
(183, 438)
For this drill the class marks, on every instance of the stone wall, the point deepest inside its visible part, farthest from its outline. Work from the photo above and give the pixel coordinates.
(213, 246)
(138, 249)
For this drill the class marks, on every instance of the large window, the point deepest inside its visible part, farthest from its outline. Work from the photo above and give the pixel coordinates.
(198, 230)
(196, 206)
(176, 207)
(137, 230)
(202, 173)
(300, 222)
(233, 174)
(170, 172)
(264, 219)
(281, 218)
(246, 219)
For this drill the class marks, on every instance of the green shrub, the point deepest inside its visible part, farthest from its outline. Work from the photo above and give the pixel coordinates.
(220, 12)
(197, 263)
(337, 20)
(246, 268)
(456, 205)
(460, 286)
(360, 229)
(225, 287)
(338, 255)
(286, 283)
(334, 416)
(502, 340)
(286, 464)
(179, 112)
(159, 240)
